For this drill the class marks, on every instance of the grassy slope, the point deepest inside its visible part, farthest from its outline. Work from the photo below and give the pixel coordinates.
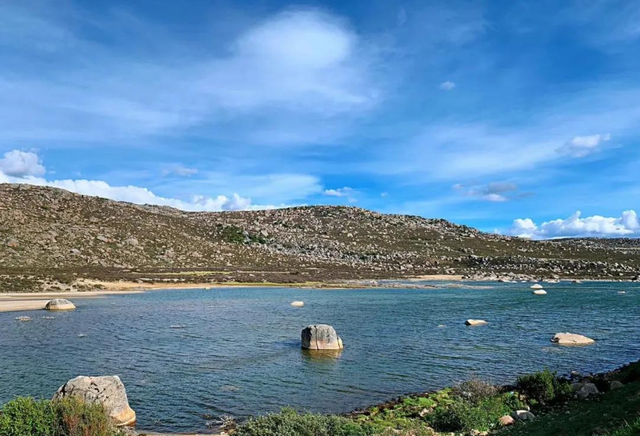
(613, 413)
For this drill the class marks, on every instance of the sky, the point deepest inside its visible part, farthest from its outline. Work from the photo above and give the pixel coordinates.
(515, 117)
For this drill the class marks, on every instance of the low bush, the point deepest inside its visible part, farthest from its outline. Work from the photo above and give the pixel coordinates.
(66, 417)
(543, 387)
(288, 422)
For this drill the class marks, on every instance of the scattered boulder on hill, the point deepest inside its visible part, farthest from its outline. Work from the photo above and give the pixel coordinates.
(571, 339)
(108, 391)
(60, 304)
(320, 337)
(615, 385)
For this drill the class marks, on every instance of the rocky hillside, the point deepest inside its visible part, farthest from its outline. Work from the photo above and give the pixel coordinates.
(50, 238)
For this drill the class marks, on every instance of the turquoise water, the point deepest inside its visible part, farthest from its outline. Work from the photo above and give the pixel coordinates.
(237, 351)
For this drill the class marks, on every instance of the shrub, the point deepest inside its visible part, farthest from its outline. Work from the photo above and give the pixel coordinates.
(66, 417)
(475, 391)
(291, 423)
(543, 387)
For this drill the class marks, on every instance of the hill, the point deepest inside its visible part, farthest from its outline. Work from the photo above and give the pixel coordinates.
(53, 239)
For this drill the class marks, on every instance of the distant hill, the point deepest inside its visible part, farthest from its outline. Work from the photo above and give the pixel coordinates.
(51, 237)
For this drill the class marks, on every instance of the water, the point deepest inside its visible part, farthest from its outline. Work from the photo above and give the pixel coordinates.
(238, 353)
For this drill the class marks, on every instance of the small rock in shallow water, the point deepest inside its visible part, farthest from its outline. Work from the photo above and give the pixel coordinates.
(474, 322)
(571, 339)
(539, 292)
(297, 303)
(60, 304)
(537, 286)
(23, 318)
(320, 337)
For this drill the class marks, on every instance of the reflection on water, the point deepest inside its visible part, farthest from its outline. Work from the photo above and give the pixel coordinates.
(189, 354)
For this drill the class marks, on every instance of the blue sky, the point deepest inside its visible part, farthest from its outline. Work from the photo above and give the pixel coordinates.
(478, 112)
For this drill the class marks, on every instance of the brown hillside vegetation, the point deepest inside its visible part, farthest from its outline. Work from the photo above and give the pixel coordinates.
(50, 238)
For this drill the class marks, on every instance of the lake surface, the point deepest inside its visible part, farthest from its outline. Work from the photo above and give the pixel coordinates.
(238, 351)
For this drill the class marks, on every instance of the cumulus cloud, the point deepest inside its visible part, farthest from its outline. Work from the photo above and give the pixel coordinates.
(626, 225)
(447, 86)
(21, 167)
(581, 146)
(495, 191)
(345, 192)
(20, 164)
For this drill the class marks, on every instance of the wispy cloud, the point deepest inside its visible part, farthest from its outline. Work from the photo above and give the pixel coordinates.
(346, 192)
(581, 146)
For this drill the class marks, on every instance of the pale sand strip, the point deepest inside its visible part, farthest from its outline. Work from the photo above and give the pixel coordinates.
(16, 306)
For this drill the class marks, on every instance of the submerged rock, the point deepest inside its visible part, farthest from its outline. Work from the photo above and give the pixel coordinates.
(320, 337)
(571, 339)
(474, 322)
(108, 391)
(60, 304)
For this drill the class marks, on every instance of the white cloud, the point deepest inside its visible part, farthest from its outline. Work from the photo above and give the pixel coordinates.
(447, 86)
(15, 170)
(346, 192)
(626, 225)
(20, 164)
(581, 146)
(304, 66)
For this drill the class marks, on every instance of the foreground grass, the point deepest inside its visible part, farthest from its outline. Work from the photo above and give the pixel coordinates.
(471, 408)
(66, 417)
(615, 413)
(475, 407)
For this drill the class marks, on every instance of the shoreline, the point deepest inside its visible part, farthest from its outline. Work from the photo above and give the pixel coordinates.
(31, 301)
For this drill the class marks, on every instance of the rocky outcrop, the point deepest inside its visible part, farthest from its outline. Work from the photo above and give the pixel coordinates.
(571, 339)
(108, 391)
(320, 337)
(475, 322)
(60, 304)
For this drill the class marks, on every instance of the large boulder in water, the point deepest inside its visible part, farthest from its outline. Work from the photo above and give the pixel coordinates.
(571, 339)
(60, 304)
(320, 337)
(108, 391)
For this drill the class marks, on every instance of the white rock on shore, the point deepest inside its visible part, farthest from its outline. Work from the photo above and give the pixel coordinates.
(108, 391)
(571, 339)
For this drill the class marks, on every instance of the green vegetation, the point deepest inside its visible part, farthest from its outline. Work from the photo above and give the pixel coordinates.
(544, 387)
(67, 417)
(468, 409)
(614, 413)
